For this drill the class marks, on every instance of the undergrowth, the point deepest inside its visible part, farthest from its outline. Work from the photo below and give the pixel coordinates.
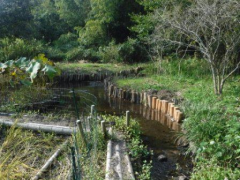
(212, 123)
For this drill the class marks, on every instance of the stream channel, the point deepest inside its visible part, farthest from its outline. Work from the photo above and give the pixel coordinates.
(159, 133)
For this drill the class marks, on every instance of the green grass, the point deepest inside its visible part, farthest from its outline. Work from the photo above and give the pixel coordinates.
(95, 67)
(212, 122)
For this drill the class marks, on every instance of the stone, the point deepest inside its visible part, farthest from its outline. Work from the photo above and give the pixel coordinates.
(162, 158)
(182, 178)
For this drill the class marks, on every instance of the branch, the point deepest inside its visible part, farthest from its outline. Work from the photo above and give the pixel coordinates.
(238, 65)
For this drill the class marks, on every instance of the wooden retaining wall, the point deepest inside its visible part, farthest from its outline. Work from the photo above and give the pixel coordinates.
(147, 98)
(76, 76)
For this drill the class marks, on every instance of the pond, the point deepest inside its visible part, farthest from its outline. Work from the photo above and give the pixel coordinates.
(160, 134)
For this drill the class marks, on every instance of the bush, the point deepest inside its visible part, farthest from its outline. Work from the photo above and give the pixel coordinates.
(11, 48)
(211, 171)
(127, 52)
(109, 53)
(66, 42)
(55, 54)
(64, 48)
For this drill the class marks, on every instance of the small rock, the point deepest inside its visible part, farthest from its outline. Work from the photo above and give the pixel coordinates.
(182, 178)
(162, 158)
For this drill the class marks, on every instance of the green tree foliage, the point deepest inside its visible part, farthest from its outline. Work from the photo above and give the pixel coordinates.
(15, 18)
(74, 12)
(47, 20)
(109, 20)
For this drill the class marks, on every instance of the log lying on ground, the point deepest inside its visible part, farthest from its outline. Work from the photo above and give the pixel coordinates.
(62, 130)
(49, 162)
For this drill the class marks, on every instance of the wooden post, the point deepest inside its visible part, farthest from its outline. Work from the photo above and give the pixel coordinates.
(172, 110)
(159, 104)
(169, 108)
(145, 98)
(127, 118)
(92, 110)
(154, 102)
(150, 101)
(179, 117)
(164, 106)
(103, 126)
(152, 114)
(175, 113)
(80, 128)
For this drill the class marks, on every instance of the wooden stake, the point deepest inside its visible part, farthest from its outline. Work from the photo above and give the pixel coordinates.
(179, 116)
(127, 118)
(175, 113)
(154, 102)
(104, 130)
(92, 110)
(150, 101)
(165, 106)
(160, 105)
(145, 99)
(80, 128)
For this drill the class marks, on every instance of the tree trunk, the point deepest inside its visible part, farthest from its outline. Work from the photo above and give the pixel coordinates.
(214, 79)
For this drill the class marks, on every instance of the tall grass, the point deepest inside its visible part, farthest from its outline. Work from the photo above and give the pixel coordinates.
(90, 158)
(22, 153)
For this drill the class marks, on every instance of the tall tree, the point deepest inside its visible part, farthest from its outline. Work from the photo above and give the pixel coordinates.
(211, 27)
(15, 18)
(74, 12)
(47, 20)
(111, 18)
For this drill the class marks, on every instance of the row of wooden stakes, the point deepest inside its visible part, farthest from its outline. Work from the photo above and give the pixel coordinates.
(166, 107)
(75, 76)
(146, 99)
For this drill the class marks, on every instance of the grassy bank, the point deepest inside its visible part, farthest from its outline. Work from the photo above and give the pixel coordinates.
(212, 122)
(89, 68)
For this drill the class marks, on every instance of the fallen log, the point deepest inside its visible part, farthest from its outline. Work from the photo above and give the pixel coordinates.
(62, 130)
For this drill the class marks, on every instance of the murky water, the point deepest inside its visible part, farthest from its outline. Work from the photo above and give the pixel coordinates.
(159, 132)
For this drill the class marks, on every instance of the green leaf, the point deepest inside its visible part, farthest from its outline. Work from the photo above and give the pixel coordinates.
(33, 69)
(3, 66)
(9, 63)
(22, 62)
(49, 71)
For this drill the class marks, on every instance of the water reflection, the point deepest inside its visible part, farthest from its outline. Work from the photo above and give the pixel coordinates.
(147, 113)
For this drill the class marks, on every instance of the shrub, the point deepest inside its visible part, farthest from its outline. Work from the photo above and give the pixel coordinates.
(75, 54)
(211, 171)
(55, 54)
(109, 53)
(127, 50)
(11, 48)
